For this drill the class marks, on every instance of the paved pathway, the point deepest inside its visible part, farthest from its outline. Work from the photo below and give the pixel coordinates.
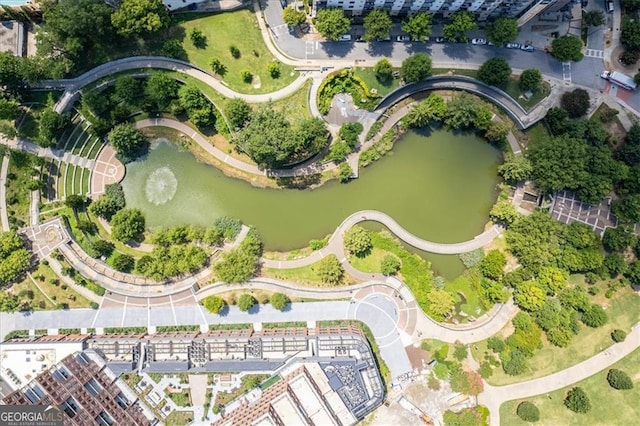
(53, 154)
(494, 396)
(336, 245)
(4, 215)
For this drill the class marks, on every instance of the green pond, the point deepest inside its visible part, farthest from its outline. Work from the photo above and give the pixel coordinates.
(437, 184)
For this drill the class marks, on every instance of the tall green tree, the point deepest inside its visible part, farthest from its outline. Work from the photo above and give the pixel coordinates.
(567, 48)
(418, 26)
(515, 168)
(502, 31)
(279, 301)
(377, 25)
(14, 257)
(593, 18)
(416, 67)
(558, 163)
(293, 17)
(332, 23)
(129, 142)
(74, 32)
(460, 23)
(140, 17)
(441, 304)
(630, 35)
(329, 269)
(383, 70)
(238, 112)
(161, 89)
(576, 102)
(128, 224)
(530, 79)
(358, 241)
(495, 71)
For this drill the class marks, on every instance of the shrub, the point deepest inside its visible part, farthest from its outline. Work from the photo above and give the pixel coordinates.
(390, 265)
(460, 351)
(235, 52)
(279, 301)
(274, 69)
(528, 412)
(577, 401)
(618, 379)
(213, 304)
(485, 370)
(618, 335)
(318, 244)
(246, 76)
(358, 241)
(595, 316)
(246, 302)
(496, 344)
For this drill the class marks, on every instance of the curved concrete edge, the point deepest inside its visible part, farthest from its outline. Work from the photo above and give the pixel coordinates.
(515, 111)
(335, 246)
(494, 396)
(4, 217)
(425, 327)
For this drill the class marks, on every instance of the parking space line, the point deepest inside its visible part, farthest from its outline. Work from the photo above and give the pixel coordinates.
(175, 319)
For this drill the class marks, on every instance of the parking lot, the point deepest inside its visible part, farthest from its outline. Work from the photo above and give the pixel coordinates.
(567, 209)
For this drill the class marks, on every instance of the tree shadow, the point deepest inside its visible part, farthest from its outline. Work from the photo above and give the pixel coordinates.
(338, 49)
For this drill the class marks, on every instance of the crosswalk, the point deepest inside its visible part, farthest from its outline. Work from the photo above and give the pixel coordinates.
(566, 71)
(309, 48)
(594, 53)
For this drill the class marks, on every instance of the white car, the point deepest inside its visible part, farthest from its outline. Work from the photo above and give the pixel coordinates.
(478, 41)
(527, 48)
(513, 46)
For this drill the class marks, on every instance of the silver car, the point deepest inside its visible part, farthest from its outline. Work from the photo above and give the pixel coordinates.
(513, 46)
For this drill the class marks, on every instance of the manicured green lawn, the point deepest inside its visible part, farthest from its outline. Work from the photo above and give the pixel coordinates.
(369, 77)
(462, 284)
(623, 312)
(305, 276)
(609, 406)
(240, 29)
(295, 106)
(180, 398)
(51, 294)
(371, 262)
(179, 418)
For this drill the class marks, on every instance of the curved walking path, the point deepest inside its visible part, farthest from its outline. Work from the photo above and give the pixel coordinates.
(72, 86)
(336, 244)
(4, 214)
(494, 396)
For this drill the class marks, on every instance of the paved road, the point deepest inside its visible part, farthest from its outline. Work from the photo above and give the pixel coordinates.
(4, 216)
(494, 396)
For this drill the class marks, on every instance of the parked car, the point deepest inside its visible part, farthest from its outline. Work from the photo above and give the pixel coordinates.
(403, 38)
(479, 41)
(384, 39)
(345, 37)
(439, 39)
(359, 39)
(527, 48)
(283, 3)
(513, 46)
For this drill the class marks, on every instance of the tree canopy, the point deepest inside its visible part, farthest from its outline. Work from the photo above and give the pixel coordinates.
(567, 48)
(593, 18)
(293, 17)
(495, 71)
(140, 17)
(530, 79)
(14, 257)
(418, 26)
(502, 31)
(575, 102)
(377, 25)
(332, 23)
(383, 70)
(459, 24)
(358, 241)
(128, 224)
(329, 269)
(271, 141)
(416, 67)
(129, 142)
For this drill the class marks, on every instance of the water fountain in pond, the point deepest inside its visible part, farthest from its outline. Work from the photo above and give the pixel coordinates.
(161, 186)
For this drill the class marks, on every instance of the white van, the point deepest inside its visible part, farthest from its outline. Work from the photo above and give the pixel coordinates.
(610, 6)
(345, 37)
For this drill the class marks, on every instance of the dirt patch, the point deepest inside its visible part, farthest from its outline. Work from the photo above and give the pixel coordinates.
(417, 357)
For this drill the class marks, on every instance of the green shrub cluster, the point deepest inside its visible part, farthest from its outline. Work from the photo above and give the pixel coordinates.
(345, 81)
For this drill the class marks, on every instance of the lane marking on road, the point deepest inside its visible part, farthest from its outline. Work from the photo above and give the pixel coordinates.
(309, 48)
(148, 314)
(200, 308)
(124, 311)
(175, 319)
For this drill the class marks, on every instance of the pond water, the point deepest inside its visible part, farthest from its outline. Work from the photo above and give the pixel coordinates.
(437, 184)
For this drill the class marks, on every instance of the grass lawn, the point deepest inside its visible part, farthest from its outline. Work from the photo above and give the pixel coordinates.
(609, 406)
(304, 276)
(240, 29)
(295, 106)
(623, 312)
(49, 294)
(514, 91)
(180, 398)
(460, 287)
(19, 174)
(371, 262)
(369, 77)
(179, 418)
